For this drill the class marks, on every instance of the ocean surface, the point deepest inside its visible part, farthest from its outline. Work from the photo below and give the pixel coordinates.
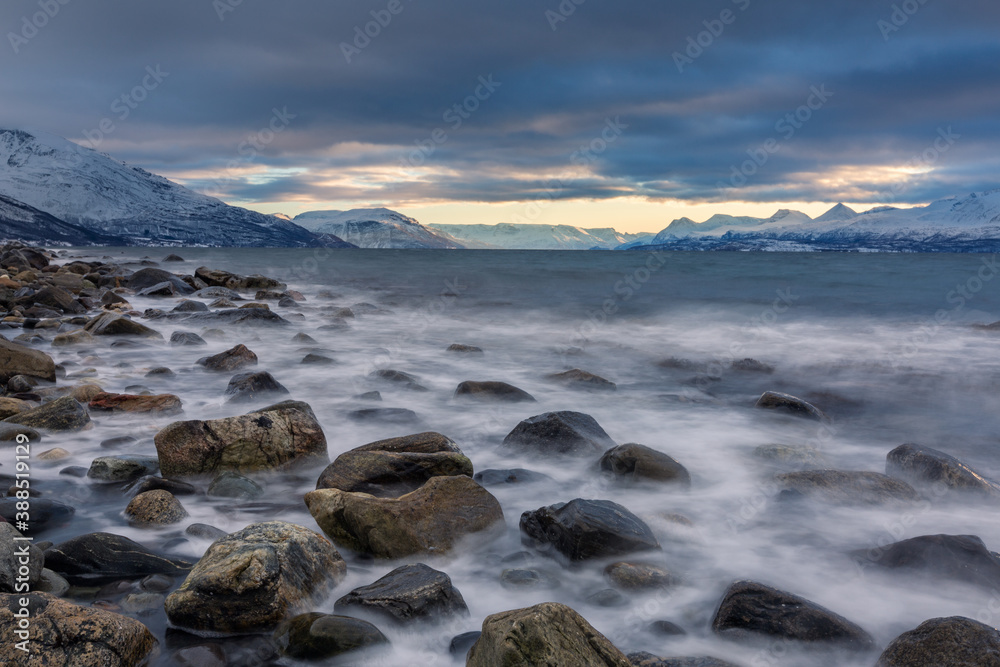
(885, 344)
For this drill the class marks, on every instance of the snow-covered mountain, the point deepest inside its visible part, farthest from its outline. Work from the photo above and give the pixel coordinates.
(536, 237)
(20, 222)
(95, 192)
(376, 228)
(966, 224)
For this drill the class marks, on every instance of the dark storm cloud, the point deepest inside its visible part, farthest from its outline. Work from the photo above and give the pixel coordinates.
(689, 115)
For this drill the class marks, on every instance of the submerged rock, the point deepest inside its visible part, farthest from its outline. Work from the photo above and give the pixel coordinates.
(251, 580)
(233, 485)
(958, 557)
(63, 633)
(45, 513)
(954, 641)
(273, 437)
(186, 338)
(231, 360)
(639, 576)
(399, 378)
(585, 529)
(315, 636)
(559, 433)
(848, 487)
(408, 593)
(253, 386)
(636, 463)
(97, 558)
(546, 634)
(925, 466)
(512, 476)
(471, 350)
(121, 468)
(772, 400)
(577, 379)
(751, 609)
(798, 456)
(384, 415)
(429, 520)
(62, 414)
(493, 391)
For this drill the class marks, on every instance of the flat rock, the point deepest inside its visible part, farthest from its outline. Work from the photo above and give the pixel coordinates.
(431, 519)
(546, 634)
(958, 557)
(251, 580)
(155, 508)
(254, 386)
(577, 379)
(408, 593)
(315, 636)
(848, 487)
(585, 529)
(923, 466)
(97, 558)
(750, 609)
(635, 463)
(164, 404)
(954, 641)
(231, 360)
(277, 436)
(555, 433)
(62, 414)
(20, 360)
(493, 391)
(773, 400)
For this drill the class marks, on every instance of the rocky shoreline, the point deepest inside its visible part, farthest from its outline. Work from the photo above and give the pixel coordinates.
(254, 595)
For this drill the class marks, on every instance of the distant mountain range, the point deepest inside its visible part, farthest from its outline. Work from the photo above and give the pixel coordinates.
(536, 237)
(376, 228)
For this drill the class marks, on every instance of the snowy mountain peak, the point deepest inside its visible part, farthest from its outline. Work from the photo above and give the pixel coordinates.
(838, 212)
(375, 228)
(521, 236)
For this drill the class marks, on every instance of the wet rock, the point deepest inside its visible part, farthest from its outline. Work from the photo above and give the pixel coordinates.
(21, 384)
(253, 386)
(62, 414)
(848, 487)
(161, 371)
(231, 360)
(12, 406)
(772, 400)
(204, 531)
(954, 641)
(233, 485)
(45, 514)
(431, 519)
(233, 281)
(520, 578)
(752, 366)
(12, 559)
(51, 583)
(119, 442)
(155, 508)
(250, 580)
(585, 529)
(404, 380)
(577, 379)
(924, 466)
(190, 306)
(559, 433)
(274, 437)
(317, 360)
(384, 415)
(608, 598)
(165, 289)
(121, 468)
(513, 476)
(391, 468)
(958, 557)
(315, 636)
(797, 456)
(186, 338)
(665, 629)
(643, 659)
(546, 634)
(142, 604)
(460, 644)
(287, 302)
(164, 404)
(492, 391)
(146, 278)
(73, 338)
(54, 455)
(409, 593)
(60, 300)
(470, 350)
(636, 463)
(152, 483)
(231, 317)
(218, 293)
(173, 258)
(304, 339)
(639, 576)
(113, 324)
(20, 360)
(63, 633)
(750, 609)
(94, 559)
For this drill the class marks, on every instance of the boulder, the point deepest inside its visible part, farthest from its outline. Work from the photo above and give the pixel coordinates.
(493, 391)
(251, 580)
(155, 508)
(13, 554)
(12, 406)
(957, 557)
(848, 487)
(113, 324)
(277, 436)
(750, 609)
(546, 634)
(60, 300)
(67, 635)
(150, 277)
(639, 576)
(73, 338)
(114, 469)
(62, 414)
(190, 306)
(186, 338)
(315, 636)
(772, 400)
(164, 404)
(231, 360)
(954, 641)
(391, 468)
(253, 386)
(408, 593)
(577, 379)
(94, 559)
(431, 519)
(923, 466)
(559, 433)
(20, 360)
(585, 529)
(636, 463)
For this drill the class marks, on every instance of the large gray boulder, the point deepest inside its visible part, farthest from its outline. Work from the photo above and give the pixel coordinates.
(556, 433)
(409, 593)
(923, 466)
(62, 414)
(954, 642)
(585, 529)
(638, 463)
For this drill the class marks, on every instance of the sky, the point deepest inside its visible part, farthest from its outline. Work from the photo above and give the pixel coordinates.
(591, 113)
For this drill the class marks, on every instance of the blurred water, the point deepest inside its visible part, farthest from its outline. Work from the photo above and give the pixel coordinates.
(856, 333)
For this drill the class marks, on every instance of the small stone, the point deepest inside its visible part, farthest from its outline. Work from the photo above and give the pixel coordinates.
(230, 360)
(555, 433)
(233, 485)
(493, 391)
(155, 508)
(54, 455)
(772, 400)
(578, 379)
(315, 636)
(112, 469)
(636, 463)
(408, 593)
(186, 338)
(254, 386)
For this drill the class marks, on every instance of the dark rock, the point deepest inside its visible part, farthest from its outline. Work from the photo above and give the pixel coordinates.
(253, 317)
(163, 404)
(751, 609)
(233, 485)
(585, 529)
(772, 400)
(181, 338)
(231, 360)
(384, 415)
(189, 306)
(60, 300)
(119, 441)
(146, 278)
(546, 634)
(513, 476)
(98, 558)
(317, 360)
(404, 380)
(253, 386)
(493, 391)
(958, 557)
(173, 258)
(165, 289)
(643, 659)
(559, 433)
(752, 366)
(62, 414)
(155, 508)
(113, 469)
(471, 350)
(20, 360)
(639, 576)
(21, 384)
(45, 514)
(636, 463)
(409, 593)
(250, 580)
(10, 433)
(205, 531)
(578, 379)
(665, 629)
(848, 487)
(951, 642)
(315, 636)
(304, 339)
(113, 324)
(218, 293)
(151, 483)
(925, 466)
(460, 644)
